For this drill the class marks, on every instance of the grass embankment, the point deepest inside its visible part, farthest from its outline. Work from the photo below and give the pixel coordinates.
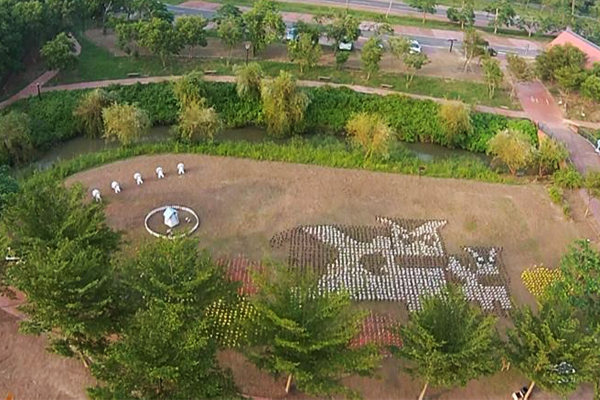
(96, 63)
(319, 150)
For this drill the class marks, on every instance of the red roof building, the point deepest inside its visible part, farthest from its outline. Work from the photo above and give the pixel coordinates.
(590, 49)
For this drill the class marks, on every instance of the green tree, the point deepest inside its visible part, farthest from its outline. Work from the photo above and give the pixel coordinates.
(512, 147)
(370, 132)
(449, 342)
(519, 68)
(226, 11)
(473, 46)
(168, 350)
(125, 123)
(59, 53)
(569, 77)
(128, 34)
(160, 38)
(162, 354)
(198, 122)
(414, 62)
(399, 46)
(189, 88)
(557, 57)
(341, 58)
(248, 80)
(306, 336)
(8, 185)
(191, 30)
(425, 6)
(552, 350)
(65, 250)
(15, 138)
(548, 156)
(529, 25)
(89, 111)
(493, 75)
(231, 32)
(371, 56)
(304, 52)
(149, 9)
(465, 15)
(456, 119)
(504, 14)
(591, 182)
(340, 27)
(579, 286)
(284, 105)
(590, 87)
(264, 25)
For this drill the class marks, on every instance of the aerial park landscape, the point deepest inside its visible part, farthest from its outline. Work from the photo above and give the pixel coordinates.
(312, 199)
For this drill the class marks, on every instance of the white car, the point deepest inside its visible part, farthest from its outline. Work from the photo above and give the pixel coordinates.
(347, 46)
(415, 47)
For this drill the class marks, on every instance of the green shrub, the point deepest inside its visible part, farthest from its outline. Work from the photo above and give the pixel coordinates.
(556, 194)
(567, 178)
(414, 120)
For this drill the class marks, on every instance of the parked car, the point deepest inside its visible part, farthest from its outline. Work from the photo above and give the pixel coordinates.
(415, 47)
(345, 45)
(491, 51)
(520, 394)
(291, 33)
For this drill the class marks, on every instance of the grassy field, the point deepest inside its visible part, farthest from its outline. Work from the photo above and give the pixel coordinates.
(96, 63)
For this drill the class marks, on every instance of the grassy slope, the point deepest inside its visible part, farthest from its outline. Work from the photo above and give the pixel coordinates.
(96, 63)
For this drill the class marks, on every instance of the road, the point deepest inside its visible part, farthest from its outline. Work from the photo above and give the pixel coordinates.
(433, 40)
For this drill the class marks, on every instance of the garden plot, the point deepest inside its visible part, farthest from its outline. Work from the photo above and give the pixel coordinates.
(243, 204)
(455, 228)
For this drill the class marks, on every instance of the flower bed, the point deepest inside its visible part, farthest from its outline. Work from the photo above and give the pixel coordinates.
(538, 278)
(376, 330)
(399, 260)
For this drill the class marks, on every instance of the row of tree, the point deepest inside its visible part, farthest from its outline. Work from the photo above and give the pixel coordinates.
(143, 321)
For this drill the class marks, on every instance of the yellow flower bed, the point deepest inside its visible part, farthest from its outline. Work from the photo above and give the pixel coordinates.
(538, 278)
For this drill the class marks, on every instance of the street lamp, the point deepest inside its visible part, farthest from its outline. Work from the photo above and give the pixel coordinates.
(247, 47)
(451, 44)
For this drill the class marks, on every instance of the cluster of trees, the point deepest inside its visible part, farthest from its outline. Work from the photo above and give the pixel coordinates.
(516, 150)
(565, 66)
(26, 25)
(154, 305)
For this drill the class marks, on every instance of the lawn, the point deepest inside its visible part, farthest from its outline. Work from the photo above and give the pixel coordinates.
(96, 63)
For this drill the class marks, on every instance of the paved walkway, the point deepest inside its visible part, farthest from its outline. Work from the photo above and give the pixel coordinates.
(537, 101)
(32, 88)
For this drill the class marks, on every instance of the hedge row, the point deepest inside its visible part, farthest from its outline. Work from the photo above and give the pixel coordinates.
(330, 108)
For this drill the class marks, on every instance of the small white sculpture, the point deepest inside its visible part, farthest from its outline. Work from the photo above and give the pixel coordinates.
(115, 186)
(138, 178)
(598, 146)
(180, 169)
(160, 173)
(96, 195)
(171, 217)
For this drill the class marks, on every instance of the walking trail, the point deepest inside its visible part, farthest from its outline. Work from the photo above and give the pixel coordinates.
(539, 104)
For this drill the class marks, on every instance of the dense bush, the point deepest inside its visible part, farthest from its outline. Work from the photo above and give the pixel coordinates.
(413, 120)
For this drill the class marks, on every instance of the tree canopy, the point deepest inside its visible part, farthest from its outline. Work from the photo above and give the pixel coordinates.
(306, 335)
(449, 342)
(284, 105)
(264, 25)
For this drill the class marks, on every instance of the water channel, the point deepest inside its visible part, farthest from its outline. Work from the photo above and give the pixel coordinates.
(81, 145)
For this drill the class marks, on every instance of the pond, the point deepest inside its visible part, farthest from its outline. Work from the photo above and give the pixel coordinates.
(81, 145)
